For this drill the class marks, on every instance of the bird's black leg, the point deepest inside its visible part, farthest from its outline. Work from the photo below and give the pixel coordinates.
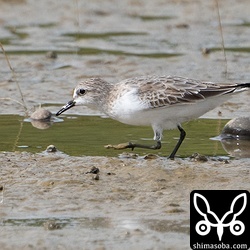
(182, 137)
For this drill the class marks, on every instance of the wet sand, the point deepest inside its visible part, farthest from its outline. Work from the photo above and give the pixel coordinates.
(136, 203)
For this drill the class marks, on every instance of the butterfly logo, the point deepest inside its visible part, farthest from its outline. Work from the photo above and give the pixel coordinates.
(203, 227)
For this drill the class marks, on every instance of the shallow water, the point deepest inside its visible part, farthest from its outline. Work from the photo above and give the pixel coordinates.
(87, 135)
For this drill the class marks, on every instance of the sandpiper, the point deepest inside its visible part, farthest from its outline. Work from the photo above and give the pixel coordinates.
(161, 102)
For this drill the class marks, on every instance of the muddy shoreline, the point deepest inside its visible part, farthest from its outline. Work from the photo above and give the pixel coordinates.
(141, 201)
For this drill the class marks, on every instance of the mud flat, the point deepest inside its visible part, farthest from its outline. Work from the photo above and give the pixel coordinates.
(60, 202)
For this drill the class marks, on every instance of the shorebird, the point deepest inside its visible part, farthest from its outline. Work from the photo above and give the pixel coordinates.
(161, 102)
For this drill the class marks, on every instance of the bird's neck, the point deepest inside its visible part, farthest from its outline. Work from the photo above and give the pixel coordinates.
(104, 90)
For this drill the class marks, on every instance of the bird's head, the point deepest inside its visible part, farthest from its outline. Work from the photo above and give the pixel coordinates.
(87, 93)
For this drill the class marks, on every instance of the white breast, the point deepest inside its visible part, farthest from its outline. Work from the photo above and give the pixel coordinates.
(127, 106)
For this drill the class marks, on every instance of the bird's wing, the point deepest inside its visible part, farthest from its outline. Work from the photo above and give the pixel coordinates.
(169, 90)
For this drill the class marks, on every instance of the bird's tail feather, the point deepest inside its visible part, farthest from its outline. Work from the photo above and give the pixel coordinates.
(244, 85)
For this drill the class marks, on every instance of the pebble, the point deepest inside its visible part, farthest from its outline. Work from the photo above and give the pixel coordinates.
(93, 170)
(51, 149)
(237, 127)
(51, 225)
(41, 114)
(206, 51)
(51, 54)
(96, 177)
(198, 157)
(150, 156)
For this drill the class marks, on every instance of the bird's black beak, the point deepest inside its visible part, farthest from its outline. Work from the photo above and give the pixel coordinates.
(67, 106)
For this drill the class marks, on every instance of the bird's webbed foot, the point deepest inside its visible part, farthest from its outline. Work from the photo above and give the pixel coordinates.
(134, 145)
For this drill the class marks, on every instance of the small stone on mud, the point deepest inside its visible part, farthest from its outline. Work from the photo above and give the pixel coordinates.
(51, 225)
(51, 149)
(175, 210)
(96, 177)
(150, 156)
(174, 205)
(41, 114)
(182, 26)
(110, 173)
(219, 113)
(199, 158)
(93, 170)
(51, 54)
(206, 51)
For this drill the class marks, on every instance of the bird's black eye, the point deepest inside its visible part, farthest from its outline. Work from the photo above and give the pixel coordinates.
(81, 91)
